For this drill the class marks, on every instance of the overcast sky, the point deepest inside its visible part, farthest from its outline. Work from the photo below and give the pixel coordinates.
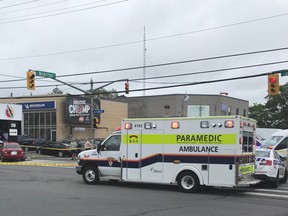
(70, 37)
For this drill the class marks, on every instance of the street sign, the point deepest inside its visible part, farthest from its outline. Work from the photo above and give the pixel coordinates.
(284, 73)
(45, 74)
(96, 111)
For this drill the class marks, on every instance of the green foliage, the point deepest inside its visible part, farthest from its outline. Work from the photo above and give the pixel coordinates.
(56, 90)
(274, 113)
(104, 94)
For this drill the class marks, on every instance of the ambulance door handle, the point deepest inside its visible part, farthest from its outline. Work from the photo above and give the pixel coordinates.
(136, 155)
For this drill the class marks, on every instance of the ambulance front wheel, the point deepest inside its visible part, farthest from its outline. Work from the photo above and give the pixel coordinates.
(90, 175)
(188, 182)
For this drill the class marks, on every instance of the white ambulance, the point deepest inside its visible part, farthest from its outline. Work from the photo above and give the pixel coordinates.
(192, 152)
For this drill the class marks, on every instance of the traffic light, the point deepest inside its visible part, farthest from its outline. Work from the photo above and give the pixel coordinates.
(273, 84)
(127, 87)
(96, 122)
(30, 77)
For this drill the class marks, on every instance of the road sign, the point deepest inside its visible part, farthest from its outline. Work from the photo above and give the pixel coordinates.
(284, 73)
(45, 74)
(97, 111)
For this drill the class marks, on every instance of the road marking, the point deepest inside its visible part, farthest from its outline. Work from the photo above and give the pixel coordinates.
(268, 190)
(266, 195)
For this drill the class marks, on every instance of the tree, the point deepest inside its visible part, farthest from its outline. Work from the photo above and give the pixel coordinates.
(56, 90)
(274, 113)
(104, 94)
(257, 112)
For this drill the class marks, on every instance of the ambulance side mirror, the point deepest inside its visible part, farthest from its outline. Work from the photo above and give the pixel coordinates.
(99, 147)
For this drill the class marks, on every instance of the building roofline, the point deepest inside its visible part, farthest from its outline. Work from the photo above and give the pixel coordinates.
(207, 95)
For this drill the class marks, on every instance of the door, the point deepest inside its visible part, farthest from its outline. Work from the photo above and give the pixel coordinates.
(152, 155)
(144, 155)
(109, 157)
(132, 160)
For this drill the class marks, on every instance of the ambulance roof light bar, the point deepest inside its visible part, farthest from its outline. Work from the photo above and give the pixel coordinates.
(175, 125)
(127, 126)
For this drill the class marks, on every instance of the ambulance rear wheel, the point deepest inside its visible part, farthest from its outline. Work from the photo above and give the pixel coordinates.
(90, 175)
(188, 182)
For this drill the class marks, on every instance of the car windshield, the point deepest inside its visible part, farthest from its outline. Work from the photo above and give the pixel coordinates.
(272, 141)
(260, 153)
(12, 146)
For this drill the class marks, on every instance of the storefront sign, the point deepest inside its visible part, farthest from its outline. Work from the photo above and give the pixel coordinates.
(40, 105)
(78, 110)
(10, 112)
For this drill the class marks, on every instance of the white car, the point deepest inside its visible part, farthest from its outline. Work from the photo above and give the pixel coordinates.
(270, 166)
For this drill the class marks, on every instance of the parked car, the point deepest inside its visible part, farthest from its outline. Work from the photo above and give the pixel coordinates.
(56, 149)
(28, 143)
(11, 151)
(270, 167)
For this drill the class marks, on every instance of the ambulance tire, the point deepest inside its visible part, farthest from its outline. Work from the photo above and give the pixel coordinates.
(90, 175)
(188, 182)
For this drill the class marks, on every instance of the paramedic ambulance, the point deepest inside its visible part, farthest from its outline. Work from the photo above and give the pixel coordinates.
(189, 152)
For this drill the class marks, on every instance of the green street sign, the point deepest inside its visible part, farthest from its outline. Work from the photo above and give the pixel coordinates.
(45, 74)
(284, 73)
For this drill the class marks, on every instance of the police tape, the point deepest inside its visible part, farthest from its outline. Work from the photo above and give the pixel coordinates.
(42, 164)
(55, 149)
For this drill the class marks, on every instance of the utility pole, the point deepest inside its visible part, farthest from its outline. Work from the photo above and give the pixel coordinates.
(92, 108)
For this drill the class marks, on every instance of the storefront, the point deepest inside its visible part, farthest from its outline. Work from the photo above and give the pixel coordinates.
(49, 117)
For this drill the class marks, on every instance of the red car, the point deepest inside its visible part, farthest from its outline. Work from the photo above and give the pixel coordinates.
(11, 151)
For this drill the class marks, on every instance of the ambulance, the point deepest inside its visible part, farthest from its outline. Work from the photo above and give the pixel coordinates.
(188, 152)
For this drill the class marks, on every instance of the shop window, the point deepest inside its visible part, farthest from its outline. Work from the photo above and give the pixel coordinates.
(167, 111)
(237, 111)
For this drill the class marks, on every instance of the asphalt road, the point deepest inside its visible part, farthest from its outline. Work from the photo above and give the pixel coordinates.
(59, 191)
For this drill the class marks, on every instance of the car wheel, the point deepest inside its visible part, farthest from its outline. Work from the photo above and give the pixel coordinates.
(275, 183)
(188, 182)
(284, 180)
(90, 175)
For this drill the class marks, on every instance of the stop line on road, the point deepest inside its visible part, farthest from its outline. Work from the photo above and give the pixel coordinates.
(279, 193)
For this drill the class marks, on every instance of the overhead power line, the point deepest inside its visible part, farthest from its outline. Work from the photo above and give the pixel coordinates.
(37, 6)
(137, 41)
(190, 84)
(51, 11)
(9, 6)
(161, 77)
(179, 62)
(67, 12)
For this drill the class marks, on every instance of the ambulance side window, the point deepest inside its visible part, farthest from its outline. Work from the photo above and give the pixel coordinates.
(283, 144)
(112, 144)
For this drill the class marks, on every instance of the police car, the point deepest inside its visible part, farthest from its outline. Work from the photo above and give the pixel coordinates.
(270, 166)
